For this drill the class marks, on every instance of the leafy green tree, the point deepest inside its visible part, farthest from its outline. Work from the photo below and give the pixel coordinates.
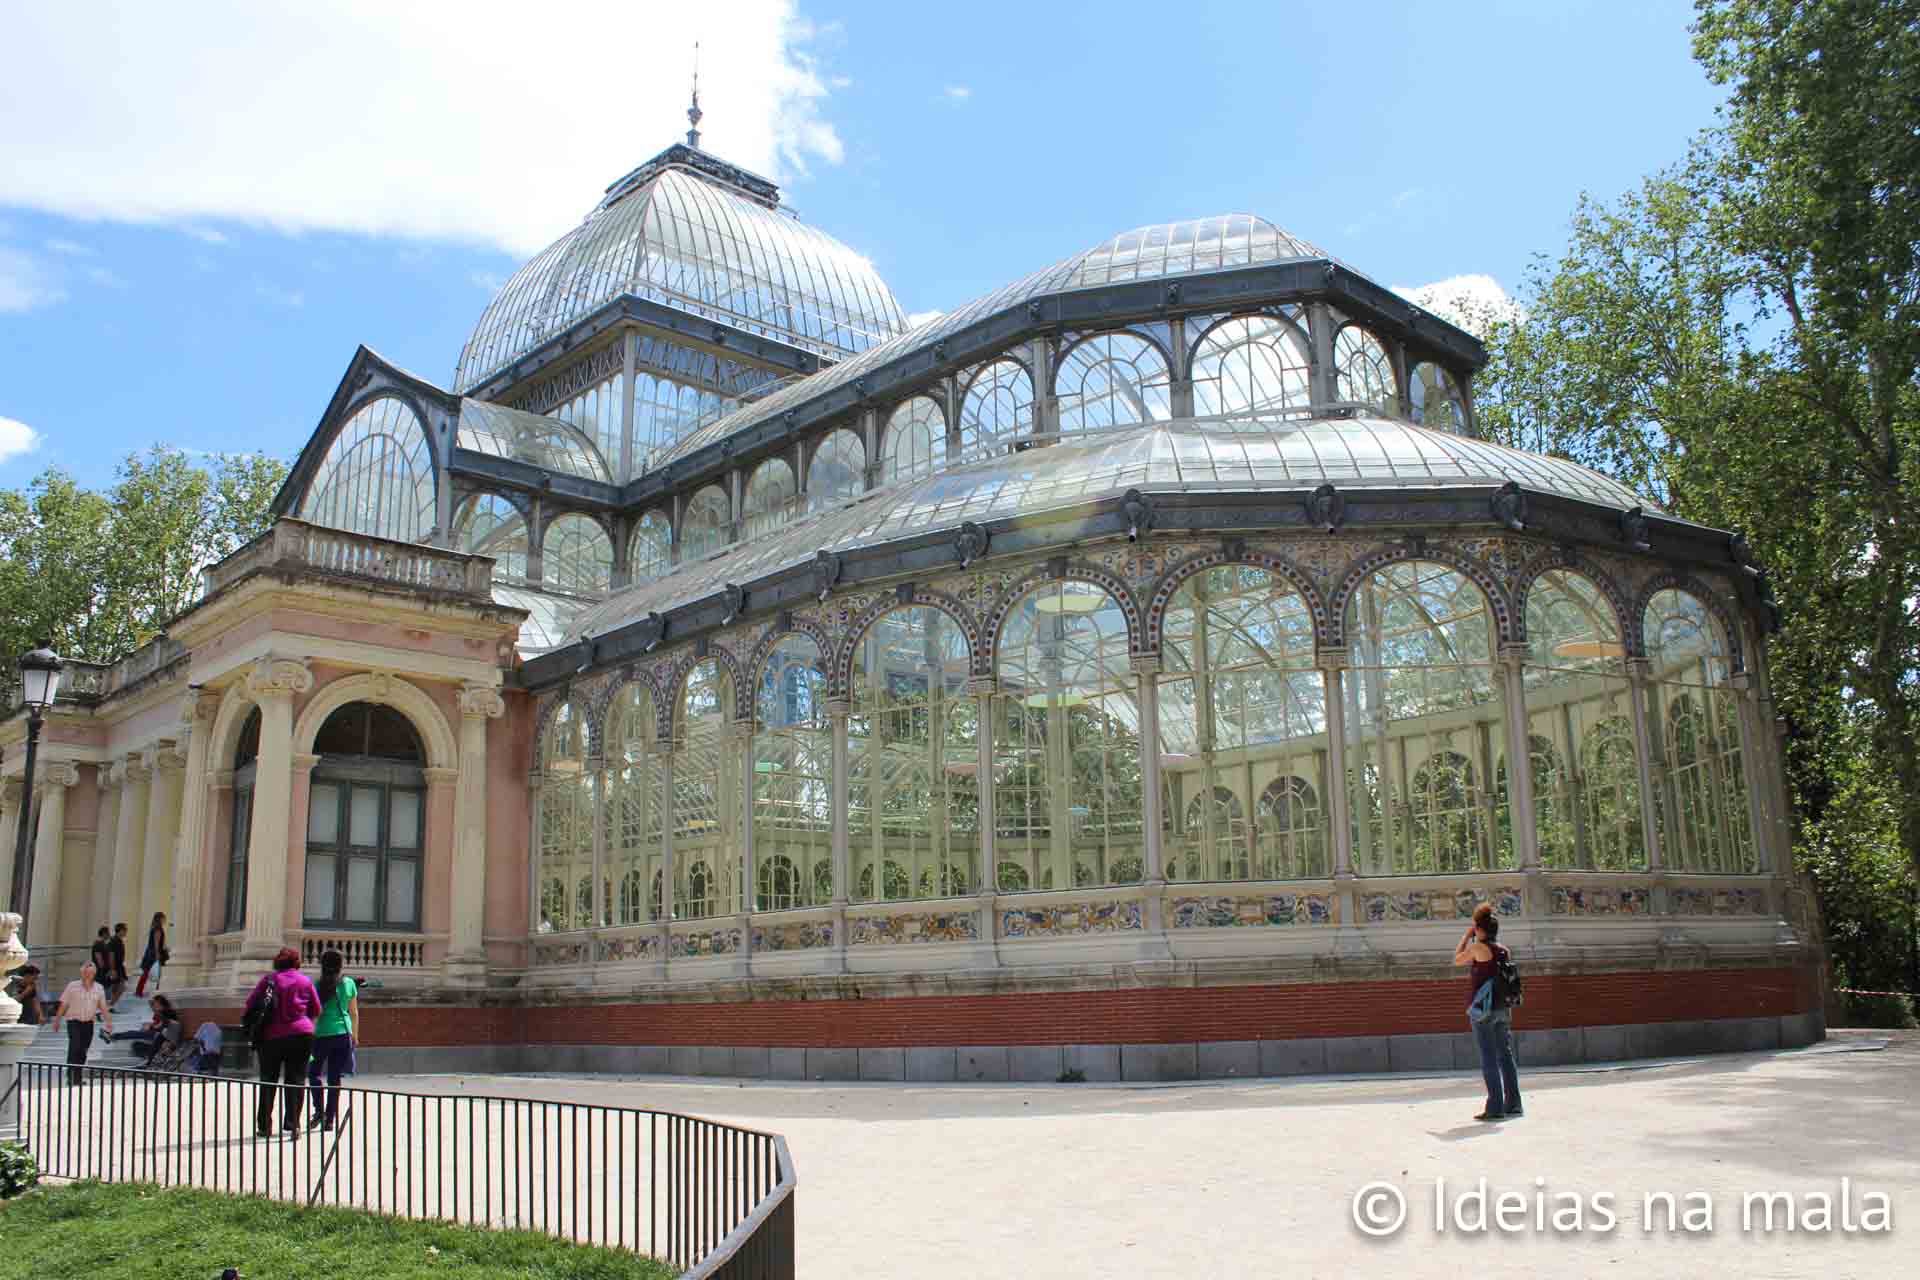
(101, 573)
(1740, 339)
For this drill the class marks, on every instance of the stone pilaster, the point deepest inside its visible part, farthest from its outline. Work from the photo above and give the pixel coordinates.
(466, 963)
(169, 765)
(273, 684)
(187, 923)
(130, 843)
(50, 845)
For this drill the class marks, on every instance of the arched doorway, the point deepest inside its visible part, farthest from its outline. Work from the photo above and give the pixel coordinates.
(366, 822)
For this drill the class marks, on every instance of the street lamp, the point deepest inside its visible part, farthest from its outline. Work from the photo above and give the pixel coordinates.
(40, 671)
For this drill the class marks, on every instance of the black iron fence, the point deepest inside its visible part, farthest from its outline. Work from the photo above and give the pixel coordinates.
(713, 1199)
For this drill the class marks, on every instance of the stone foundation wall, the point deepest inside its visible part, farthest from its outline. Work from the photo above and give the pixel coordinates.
(1144, 1032)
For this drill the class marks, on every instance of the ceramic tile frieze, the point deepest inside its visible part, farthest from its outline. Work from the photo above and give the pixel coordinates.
(1440, 904)
(956, 926)
(558, 953)
(805, 936)
(633, 946)
(1689, 901)
(716, 942)
(1265, 909)
(1584, 900)
(1070, 919)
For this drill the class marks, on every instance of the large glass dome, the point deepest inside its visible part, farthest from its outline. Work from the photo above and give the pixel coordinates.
(691, 242)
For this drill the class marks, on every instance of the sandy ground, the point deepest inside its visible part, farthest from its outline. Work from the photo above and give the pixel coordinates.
(1259, 1178)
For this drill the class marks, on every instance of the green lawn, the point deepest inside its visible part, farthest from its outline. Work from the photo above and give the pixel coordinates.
(130, 1232)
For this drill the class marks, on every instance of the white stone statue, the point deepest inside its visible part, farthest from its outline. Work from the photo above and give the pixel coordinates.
(12, 956)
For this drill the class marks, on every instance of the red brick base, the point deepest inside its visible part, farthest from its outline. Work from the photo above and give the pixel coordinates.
(1144, 1015)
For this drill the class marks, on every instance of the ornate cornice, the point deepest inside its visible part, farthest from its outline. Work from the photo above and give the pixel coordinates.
(273, 677)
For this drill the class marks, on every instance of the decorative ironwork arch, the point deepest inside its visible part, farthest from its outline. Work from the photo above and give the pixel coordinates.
(550, 707)
(1171, 580)
(627, 677)
(1043, 575)
(1709, 600)
(743, 695)
(1479, 574)
(840, 675)
(1082, 338)
(668, 709)
(1569, 560)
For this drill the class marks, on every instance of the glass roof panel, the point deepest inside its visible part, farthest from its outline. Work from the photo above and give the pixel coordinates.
(699, 247)
(531, 438)
(1184, 455)
(1172, 249)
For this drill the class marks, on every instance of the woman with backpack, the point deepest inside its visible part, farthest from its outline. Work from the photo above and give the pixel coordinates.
(335, 1034)
(1490, 1014)
(279, 1017)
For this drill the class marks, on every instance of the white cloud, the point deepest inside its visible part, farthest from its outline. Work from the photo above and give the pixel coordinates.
(16, 438)
(278, 296)
(366, 116)
(73, 249)
(959, 92)
(24, 283)
(487, 281)
(1472, 302)
(206, 235)
(918, 318)
(104, 278)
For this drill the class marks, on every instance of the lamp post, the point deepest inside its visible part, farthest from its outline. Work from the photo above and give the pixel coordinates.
(40, 671)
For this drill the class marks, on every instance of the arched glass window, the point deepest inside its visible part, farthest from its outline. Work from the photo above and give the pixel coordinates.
(769, 500)
(1220, 829)
(577, 555)
(1586, 780)
(597, 412)
(1292, 835)
(1362, 370)
(1424, 723)
(1066, 739)
(376, 476)
(838, 469)
(1240, 703)
(707, 845)
(914, 442)
(567, 809)
(244, 756)
(913, 746)
(1114, 379)
(1693, 721)
(489, 525)
(1434, 398)
(997, 406)
(652, 551)
(793, 776)
(707, 526)
(366, 821)
(634, 781)
(1250, 364)
(664, 412)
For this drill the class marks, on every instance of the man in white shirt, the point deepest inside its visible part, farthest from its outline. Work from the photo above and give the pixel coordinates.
(83, 1003)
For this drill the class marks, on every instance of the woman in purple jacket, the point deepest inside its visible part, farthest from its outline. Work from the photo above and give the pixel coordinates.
(287, 1042)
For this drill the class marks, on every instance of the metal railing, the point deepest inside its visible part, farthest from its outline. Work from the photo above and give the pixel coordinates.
(713, 1199)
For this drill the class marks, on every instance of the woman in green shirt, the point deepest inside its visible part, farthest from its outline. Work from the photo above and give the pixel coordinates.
(335, 1033)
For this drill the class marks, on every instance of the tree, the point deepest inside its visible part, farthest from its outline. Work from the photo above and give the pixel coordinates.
(1740, 339)
(100, 574)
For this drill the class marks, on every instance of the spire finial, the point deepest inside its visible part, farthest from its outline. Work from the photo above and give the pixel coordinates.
(693, 112)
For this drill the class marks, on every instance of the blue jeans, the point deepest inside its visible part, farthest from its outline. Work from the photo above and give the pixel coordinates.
(1495, 1038)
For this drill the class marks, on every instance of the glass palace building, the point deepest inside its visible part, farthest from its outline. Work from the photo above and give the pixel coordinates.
(1142, 670)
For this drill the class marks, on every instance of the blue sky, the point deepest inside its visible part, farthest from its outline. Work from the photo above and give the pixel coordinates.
(192, 243)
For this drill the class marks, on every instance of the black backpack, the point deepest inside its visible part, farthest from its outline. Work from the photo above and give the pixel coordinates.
(259, 1013)
(1507, 992)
